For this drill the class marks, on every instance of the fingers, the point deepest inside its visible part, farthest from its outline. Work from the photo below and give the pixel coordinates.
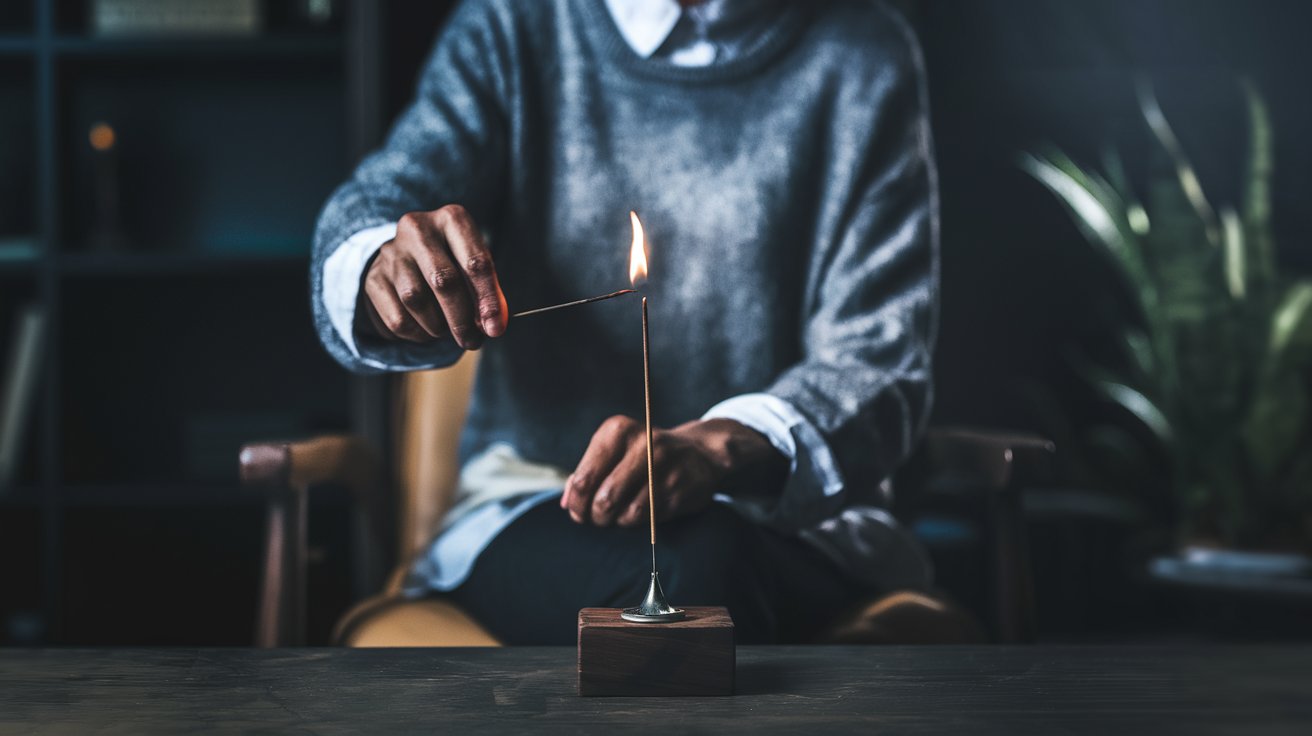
(413, 293)
(609, 445)
(610, 484)
(436, 278)
(388, 315)
(636, 512)
(471, 255)
(639, 507)
(626, 484)
(425, 245)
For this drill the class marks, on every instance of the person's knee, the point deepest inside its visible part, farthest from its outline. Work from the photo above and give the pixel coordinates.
(715, 559)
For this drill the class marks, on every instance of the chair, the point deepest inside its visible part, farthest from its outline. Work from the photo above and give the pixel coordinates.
(980, 472)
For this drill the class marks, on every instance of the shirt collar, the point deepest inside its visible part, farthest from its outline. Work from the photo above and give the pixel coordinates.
(644, 24)
(647, 24)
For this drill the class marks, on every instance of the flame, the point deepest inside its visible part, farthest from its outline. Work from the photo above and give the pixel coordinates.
(637, 252)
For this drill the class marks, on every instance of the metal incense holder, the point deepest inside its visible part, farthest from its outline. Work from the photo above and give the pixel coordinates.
(654, 609)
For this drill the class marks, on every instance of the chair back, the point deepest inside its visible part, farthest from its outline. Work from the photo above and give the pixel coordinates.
(431, 407)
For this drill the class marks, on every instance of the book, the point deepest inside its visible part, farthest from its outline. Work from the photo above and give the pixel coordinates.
(174, 18)
(19, 389)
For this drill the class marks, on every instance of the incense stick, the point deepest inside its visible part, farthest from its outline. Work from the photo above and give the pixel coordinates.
(575, 303)
(646, 395)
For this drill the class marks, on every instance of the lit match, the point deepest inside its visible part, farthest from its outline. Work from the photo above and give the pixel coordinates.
(575, 303)
(637, 272)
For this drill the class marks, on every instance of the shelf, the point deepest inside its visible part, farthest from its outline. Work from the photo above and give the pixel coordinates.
(240, 47)
(117, 495)
(23, 497)
(181, 494)
(18, 269)
(158, 494)
(12, 45)
(173, 264)
(159, 355)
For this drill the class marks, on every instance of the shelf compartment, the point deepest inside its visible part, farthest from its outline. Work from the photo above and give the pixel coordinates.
(16, 18)
(237, 157)
(162, 380)
(208, 558)
(19, 255)
(161, 262)
(258, 47)
(17, 150)
(277, 17)
(158, 494)
(14, 45)
(22, 538)
(17, 295)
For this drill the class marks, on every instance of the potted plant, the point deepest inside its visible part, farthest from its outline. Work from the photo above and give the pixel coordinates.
(1219, 347)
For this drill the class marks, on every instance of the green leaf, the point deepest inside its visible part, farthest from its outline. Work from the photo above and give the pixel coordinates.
(1090, 213)
(1184, 169)
(1236, 270)
(1277, 418)
(1138, 346)
(1298, 486)
(1257, 190)
(1135, 214)
(1291, 328)
(1140, 406)
(1100, 214)
(1275, 424)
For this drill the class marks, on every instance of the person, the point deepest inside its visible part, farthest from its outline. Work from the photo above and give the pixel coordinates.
(779, 156)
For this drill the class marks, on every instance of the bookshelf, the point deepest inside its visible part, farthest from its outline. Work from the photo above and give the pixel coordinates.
(187, 335)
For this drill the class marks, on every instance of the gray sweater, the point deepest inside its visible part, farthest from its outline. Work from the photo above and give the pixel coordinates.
(787, 194)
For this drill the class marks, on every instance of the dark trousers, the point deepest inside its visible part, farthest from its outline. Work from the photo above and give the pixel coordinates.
(529, 584)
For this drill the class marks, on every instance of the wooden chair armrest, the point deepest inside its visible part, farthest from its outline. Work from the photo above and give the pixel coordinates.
(341, 460)
(984, 460)
(286, 472)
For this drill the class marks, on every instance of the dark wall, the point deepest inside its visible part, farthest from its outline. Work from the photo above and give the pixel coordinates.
(1011, 76)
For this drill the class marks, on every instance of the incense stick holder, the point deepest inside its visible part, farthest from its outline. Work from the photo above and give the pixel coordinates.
(692, 656)
(654, 609)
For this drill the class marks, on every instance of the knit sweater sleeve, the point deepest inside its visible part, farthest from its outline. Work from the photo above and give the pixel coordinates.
(449, 146)
(870, 310)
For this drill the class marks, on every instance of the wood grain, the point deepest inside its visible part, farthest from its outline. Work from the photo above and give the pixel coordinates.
(958, 690)
(693, 657)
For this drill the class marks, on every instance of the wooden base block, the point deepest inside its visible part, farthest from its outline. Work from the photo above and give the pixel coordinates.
(694, 656)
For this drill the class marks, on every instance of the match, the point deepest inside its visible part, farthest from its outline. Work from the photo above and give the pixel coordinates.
(575, 303)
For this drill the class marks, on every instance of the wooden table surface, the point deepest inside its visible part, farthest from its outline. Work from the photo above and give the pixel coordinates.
(952, 690)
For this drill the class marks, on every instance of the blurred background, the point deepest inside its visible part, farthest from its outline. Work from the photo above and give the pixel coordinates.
(1126, 271)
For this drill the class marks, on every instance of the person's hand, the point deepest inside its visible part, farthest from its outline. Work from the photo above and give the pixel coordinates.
(435, 279)
(692, 462)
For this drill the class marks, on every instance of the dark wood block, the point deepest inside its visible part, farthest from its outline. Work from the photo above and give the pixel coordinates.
(694, 656)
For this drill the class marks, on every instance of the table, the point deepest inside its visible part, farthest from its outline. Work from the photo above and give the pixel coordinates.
(952, 690)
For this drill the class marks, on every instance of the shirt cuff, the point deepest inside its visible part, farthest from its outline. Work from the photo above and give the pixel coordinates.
(811, 463)
(342, 272)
